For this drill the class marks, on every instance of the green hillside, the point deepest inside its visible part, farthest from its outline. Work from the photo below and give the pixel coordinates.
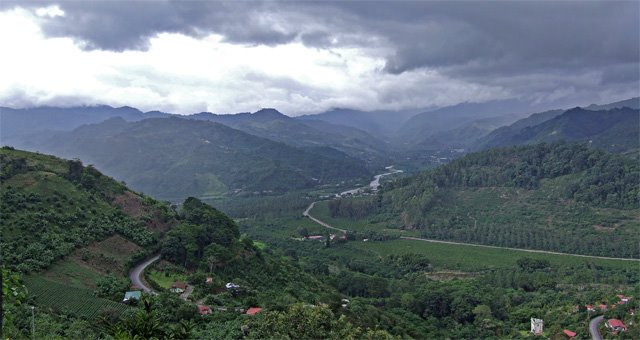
(175, 158)
(50, 207)
(559, 197)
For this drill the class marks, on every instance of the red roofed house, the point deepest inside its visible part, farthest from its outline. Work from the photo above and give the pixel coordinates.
(253, 310)
(204, 310)
(315, 237)
(590, 308)
(615, 325)
(209, 280)
(569, 333)
(603, 307)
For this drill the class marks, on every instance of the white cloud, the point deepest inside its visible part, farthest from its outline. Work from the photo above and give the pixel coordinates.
(184, 74)
(50, 11)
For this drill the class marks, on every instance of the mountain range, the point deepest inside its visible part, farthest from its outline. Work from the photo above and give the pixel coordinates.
(177, 157)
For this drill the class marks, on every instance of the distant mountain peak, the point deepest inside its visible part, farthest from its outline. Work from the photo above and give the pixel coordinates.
(268, 112)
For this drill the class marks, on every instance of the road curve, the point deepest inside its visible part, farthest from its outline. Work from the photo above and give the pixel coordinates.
(306, 214)
(593, 327)
(137, 271)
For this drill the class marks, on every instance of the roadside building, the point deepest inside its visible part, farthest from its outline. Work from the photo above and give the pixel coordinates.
(615, 326)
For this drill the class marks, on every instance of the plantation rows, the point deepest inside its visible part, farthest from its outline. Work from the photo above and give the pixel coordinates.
(79, 301)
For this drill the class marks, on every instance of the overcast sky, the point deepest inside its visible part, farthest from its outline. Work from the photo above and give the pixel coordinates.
(306, 57)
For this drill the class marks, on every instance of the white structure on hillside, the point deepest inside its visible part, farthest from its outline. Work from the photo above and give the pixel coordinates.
(537, 326)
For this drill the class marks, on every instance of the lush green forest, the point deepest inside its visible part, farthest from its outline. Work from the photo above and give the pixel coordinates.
(561, 197)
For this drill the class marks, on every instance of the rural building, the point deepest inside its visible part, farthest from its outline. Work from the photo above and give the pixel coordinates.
(209, 281)
(623, 299)
(178, 287)
(537, 326)
(315, 237)
(615, 325)
(132, 295)
(569, 333)
(603, 307)
(231, 285)
(204, 310)
(254, 310)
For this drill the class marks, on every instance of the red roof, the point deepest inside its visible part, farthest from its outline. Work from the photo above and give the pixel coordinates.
(315, 237)
(603, 306)
(253, 310)
(569, 333)
(616, 323)
(203, 310)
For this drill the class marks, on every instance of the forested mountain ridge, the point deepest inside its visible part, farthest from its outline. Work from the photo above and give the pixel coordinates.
(176, 157)
(610, 126)
(561, 197)
(271, 124)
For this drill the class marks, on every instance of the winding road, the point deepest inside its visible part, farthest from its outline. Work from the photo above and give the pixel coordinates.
(137, 271)
(593, 327)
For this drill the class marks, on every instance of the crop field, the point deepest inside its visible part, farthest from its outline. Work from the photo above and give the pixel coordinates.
(472, 258)
(78, 301)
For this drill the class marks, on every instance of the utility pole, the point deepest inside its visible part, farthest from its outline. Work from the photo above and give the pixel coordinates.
(33, 323)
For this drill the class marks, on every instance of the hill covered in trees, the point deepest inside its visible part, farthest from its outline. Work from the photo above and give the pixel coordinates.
(175, 158)
(561, 197)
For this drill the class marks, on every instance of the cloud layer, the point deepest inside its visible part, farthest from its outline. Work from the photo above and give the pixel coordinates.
(305, 57)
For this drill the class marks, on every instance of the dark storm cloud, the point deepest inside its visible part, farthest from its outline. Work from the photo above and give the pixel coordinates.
(493, 43)
(467, 38)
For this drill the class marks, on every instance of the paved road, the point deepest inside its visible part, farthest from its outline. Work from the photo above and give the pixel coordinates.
(137, 271)
(593, 327)
(306, 214)
(518, 249)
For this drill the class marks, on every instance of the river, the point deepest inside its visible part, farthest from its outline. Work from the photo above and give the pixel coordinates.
(374, 185)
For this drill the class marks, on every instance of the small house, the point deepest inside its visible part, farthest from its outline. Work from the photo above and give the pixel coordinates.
(615, 325)
(590, 308)
(132, 295)
(204, 310)
(253, 310)
(569, 333)
(315, 237)
(209, 281)
(231, 286)
(537, 326)
(603, 307)
(178, 287)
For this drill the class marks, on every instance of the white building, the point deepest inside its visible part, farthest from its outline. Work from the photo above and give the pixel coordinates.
(537, 326)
